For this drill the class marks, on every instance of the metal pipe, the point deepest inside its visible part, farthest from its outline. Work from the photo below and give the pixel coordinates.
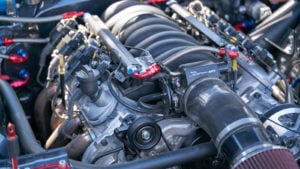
(31, 40)
(78, 145)
(59, 136)
(42, 111)
(47, 19)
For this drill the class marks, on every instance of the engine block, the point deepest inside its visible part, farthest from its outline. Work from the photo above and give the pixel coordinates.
(154, 84)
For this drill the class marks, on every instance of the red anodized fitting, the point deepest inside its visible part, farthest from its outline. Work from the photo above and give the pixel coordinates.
(156, 1)
(232, 53)
(6, 41)
(151, 71)
(14, 58)
(12, 136)
(19, 83)
(11, 131)
(4, 77)
(72, 14)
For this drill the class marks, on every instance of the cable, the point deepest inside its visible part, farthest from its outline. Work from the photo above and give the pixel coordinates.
(151, 97)
(235, 77)
(123, 102)
(119, 99)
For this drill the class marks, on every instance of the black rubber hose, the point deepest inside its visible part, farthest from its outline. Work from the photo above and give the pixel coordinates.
(144, 101)
(165, 160)
(18, 118)
(233, 126)
(207, 100)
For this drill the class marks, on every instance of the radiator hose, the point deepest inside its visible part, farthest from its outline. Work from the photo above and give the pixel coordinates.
(235, 129)
(18, 117)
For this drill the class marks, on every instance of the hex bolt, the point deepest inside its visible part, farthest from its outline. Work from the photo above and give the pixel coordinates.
(146, 135)
(62, 163)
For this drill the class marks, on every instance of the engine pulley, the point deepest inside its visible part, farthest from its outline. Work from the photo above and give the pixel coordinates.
(144, 133)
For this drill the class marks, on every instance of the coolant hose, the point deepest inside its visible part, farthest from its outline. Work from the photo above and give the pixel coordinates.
(18, 118)
(165, 160)
(235, 129)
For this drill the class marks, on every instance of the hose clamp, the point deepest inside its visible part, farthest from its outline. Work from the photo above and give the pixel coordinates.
(233, 127)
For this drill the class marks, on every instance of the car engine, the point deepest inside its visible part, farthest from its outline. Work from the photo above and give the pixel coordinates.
(117, 84)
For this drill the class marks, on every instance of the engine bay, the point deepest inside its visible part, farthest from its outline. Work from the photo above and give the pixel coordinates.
(117, 84)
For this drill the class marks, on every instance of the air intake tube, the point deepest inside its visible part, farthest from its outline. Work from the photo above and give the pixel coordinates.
(235, 129)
